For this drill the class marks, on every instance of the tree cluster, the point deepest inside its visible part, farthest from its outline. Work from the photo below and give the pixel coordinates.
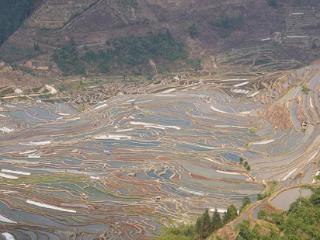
(12, 15)
(203, 228)
(225, 25)
(245, 164)
(302, 221)
(132, 51)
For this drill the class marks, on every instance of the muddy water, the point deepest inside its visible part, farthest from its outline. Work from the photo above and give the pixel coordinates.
(285, 199)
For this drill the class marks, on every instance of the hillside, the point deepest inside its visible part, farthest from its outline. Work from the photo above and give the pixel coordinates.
(128, 119)
(12, 15)
(202, 30)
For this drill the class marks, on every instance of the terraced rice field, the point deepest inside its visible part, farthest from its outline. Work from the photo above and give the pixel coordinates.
(127, 165)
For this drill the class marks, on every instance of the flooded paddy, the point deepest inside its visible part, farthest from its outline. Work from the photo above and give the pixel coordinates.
(125, 166)
(286, 198)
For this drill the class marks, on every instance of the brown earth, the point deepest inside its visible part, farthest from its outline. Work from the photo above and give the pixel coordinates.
(90, 23)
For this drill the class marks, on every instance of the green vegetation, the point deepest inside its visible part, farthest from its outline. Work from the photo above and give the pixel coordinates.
(68, 60)
(302, 221)
(204, 226)
(12, 15)
(245, 202)
(196, 64)
(305, 89)
(228, 24)
(305, 2)
(216, 220)
(135, 51)
(202, 229)
(245, 164)
(246, 233)
(97, 61)
(178, 233)
(128, 52)
(193, 30)
(230, 215)
(128, 3)
(273, 3)
(253, 130)
(271, 188)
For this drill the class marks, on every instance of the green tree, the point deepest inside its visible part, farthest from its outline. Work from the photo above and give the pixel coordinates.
(193, 30)
(245, 202)
(216, 221)
(203, 225)
(302, 221)
(184, 232)
(196, 64)
(36, 47)
(315, 198)
(68, 60)
(226, 25)
(231, 214)
(12, 15)
(273, 3)
(245, 233)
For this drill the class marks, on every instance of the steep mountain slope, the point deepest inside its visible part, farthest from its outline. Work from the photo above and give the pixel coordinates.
(228, 111)
(12, 15)
(205, 27)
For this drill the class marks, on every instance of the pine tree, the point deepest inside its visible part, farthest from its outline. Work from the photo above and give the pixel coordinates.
(206, 224)
(216, 221)
(36, 47)
(198, 227)
(203, 225)
(231, 214)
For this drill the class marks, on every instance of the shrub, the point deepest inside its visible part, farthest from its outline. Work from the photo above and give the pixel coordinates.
(231, 214)
(193, 30)
(228, 24)
(133, 52)
(184, 232)
(273, 3)
(68, 60)
(196, 64)
(305, 89)
(302, 221)
(98, 61)
(245, 202)
(12, 15)
(128, 3)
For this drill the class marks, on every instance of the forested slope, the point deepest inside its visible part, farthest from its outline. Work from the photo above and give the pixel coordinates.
(12, 15)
